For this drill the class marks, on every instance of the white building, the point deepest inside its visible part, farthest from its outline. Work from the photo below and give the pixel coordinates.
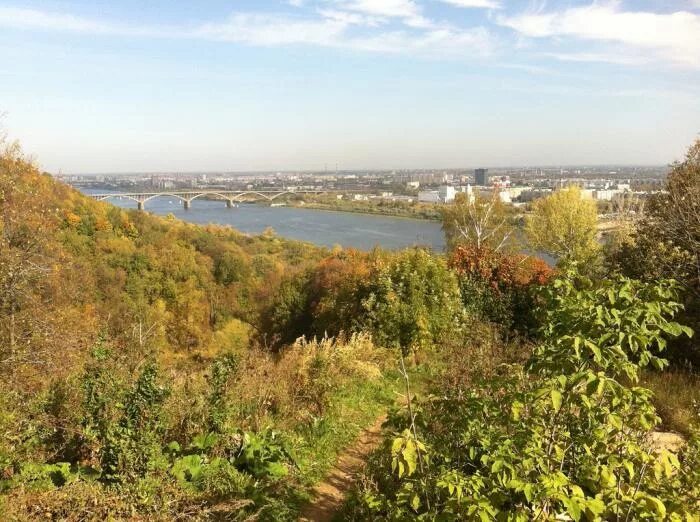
(428, 196)
(413, 184)
(446, 193)
(606, 195)
(505, 196)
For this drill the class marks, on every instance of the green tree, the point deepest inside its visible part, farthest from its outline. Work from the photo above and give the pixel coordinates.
(413, 302)
(287, 317)
(666, 242)
(564, 225)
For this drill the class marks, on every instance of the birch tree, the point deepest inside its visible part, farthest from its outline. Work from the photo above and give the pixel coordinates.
(477, 221)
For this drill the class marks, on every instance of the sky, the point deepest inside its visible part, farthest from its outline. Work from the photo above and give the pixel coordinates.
(213, 85)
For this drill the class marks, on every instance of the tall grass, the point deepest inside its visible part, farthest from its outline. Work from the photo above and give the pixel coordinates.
(676, 397)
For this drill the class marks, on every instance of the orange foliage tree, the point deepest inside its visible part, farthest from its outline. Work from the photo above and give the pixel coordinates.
(499, 287)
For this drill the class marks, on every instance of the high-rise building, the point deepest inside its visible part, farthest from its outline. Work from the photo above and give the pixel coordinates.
(480, 176)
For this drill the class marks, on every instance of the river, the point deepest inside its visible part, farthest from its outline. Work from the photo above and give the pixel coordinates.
(321, 227)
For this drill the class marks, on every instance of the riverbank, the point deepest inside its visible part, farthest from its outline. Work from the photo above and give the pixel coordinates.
(320, 226)
(423, 211)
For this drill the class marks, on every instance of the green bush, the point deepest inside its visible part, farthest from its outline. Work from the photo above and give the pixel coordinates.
(123, 423)
(412, 302)
(222, 371)
(566, 439)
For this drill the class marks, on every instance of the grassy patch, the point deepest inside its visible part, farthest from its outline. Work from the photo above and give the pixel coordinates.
(315, 446)
(352, 410)
(675, 391)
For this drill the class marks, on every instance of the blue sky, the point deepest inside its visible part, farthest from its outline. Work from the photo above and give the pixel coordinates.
(106, 86)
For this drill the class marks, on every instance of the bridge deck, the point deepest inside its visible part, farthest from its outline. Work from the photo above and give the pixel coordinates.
(188, 196)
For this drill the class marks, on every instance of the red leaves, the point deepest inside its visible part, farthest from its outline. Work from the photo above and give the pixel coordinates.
(500, 271)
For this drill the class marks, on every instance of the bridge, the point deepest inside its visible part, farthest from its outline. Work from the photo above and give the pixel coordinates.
(231, 197)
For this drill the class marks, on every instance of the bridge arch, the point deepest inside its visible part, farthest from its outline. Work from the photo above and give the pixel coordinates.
(296, 192)
(281, 194)
(162, 194)
(105, 197)
(222, 195)
(239, 197)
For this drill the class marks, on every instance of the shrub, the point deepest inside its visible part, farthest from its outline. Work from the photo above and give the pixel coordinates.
(221, 373)
(324, 364)
(498, 287)
(122, 424)
(233, 337)
(412, 302)
(565, 439)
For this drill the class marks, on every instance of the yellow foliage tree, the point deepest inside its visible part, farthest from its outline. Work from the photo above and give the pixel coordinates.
(234, 337)
(564, 225)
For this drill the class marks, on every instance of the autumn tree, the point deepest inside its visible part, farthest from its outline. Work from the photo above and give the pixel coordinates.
(23, 267)
(499, 287)
(287, 317)
(477, 220)
(564, 225)
(42, 306)
(666, 242)
(338, 286)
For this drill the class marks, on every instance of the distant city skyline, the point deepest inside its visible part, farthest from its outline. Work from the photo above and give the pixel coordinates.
(549, 169)
(220, 86)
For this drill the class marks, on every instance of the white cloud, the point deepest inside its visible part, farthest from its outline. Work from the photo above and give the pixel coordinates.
(439, 42)
(673, 37)
(483, 4)
(408, 11)
(334, 31)
(352, 18)
(621, 59)
(360, 28)
(389, 8)
(19, 18)
(269, 30)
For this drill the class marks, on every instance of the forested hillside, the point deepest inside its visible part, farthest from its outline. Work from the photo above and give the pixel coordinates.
(121, 332)
(155, 370)
(75, 269)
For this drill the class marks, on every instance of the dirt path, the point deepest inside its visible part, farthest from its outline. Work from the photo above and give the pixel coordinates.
(329, 495)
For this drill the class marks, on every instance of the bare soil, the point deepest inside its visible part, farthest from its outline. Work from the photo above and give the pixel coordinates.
(329, 495)
(666, 440)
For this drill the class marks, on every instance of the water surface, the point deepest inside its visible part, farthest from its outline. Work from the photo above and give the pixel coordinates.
(321, 227)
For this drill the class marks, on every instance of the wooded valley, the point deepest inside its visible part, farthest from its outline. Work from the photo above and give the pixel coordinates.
(157, 370)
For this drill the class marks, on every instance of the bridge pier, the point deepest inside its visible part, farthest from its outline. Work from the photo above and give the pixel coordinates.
(229, 203)
(140, 205)
(186, 204)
